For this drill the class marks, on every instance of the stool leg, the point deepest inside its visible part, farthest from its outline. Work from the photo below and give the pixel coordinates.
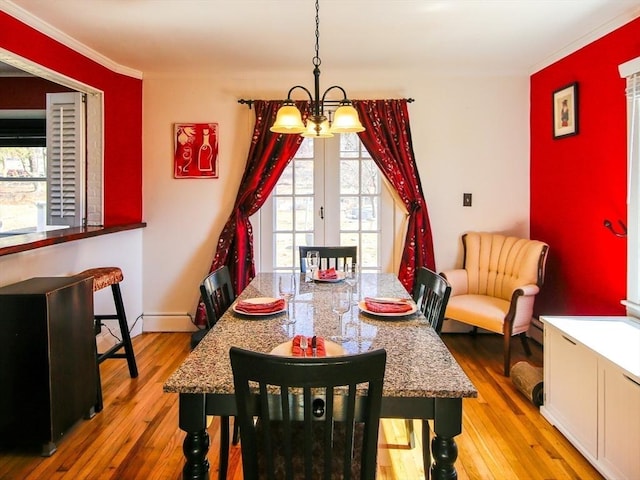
(124, 330)
(99, 404)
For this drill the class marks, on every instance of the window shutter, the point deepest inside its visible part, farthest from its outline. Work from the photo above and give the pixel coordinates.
(65, 158)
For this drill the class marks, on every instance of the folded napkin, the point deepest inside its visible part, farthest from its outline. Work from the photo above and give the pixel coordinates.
(269, 307)
(387, 306)
(328, 274)
(296, 351)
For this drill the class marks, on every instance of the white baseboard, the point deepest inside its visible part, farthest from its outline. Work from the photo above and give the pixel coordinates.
(167, 322)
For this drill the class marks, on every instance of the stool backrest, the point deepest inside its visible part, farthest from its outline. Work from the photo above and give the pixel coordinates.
(217, 294)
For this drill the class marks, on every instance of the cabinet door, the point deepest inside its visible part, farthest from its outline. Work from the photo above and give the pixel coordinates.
(571, 386)
(619, 442)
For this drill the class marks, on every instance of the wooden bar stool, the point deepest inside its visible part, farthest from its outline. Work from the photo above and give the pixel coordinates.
(102, 278)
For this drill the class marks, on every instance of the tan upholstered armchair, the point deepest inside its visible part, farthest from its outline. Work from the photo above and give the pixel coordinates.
(497, 285)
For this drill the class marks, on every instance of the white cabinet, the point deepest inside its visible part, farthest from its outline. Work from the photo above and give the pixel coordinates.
(571, 388)
(619, 422)
(592, 389)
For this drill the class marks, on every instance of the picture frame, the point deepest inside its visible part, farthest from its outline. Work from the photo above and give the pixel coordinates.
(196, 150)
(565, 111)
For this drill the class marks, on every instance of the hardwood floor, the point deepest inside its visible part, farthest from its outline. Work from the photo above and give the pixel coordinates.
(136, 436)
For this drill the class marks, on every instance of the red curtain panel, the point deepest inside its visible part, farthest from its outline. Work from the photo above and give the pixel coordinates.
(268, 156)
(387, 137)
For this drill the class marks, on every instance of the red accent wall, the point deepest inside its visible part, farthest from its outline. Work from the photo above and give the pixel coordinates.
(122, 114)
(577, 182)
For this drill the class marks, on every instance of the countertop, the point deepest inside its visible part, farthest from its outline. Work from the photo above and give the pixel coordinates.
(418, 362)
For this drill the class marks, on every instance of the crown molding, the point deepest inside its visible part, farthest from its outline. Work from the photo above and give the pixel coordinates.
(34, 22)
(588, 38)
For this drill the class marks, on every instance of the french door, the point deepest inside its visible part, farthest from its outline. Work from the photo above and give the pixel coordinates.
(331, 193)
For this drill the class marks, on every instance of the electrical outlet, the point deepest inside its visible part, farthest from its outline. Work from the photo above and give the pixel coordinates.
(466, 199)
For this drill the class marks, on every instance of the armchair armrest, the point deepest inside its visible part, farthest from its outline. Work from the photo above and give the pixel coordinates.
(520, 311)
(525, 290)
(458, 280)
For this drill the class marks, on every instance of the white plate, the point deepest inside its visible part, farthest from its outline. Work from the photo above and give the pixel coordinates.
(257, 301)
(340, 276)
(363, 306)
(333, 349)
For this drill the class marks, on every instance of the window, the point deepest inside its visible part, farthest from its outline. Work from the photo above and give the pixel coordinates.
(331, 193)
(53, 179)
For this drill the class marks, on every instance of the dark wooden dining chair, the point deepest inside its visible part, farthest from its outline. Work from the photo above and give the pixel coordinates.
(306, 409)
(431, 293)
(217, 294)
(330, 256)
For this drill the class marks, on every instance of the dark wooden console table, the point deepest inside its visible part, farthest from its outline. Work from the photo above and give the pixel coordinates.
(48, 373)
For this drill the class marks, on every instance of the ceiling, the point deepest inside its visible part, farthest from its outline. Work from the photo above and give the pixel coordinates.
(437, 36)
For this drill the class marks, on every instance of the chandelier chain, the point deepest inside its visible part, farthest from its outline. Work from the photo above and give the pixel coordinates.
(316, 59)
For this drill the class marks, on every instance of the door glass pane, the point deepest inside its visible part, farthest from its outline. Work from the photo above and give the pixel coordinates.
(370, 176)
(369, 251)
(304, 213)
(285, 183)
(283, 249)
(304, 176)
(284, 214)
(349, 176)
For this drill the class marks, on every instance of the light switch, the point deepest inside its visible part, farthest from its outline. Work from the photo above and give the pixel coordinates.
(466, 199)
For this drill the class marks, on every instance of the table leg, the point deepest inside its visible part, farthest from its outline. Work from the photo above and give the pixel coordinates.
(192, 420)
(426, 447)
(224, 448)
(447, 424)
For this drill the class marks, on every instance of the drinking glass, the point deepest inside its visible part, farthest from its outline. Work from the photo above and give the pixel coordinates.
(341, 300)
(287, 290)
(351, 278)
(313, 262)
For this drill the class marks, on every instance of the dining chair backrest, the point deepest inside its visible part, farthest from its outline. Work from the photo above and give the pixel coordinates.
(335, 257)
(309, 420)
(217, 294)
(431, 294)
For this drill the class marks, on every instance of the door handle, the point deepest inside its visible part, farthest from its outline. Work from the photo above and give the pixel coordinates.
(321, 213)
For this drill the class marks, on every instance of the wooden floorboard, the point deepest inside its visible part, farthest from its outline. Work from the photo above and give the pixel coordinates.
(136, 436)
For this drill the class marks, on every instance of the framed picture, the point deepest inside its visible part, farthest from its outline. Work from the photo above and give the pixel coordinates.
(196, 150)
(565, 111)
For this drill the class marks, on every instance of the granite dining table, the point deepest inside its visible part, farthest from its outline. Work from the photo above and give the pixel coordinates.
(422, 379)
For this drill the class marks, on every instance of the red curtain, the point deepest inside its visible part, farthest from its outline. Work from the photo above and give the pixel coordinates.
(388, 139)
(268, 156)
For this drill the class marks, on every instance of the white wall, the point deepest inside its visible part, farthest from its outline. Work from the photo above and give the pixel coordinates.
(469, 135)
(122, 249)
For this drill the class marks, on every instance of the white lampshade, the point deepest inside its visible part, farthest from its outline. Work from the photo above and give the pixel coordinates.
(346, 120)
(310, 131)
(288, 120)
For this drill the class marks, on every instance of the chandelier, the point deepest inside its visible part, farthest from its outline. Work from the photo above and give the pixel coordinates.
(345, 117)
